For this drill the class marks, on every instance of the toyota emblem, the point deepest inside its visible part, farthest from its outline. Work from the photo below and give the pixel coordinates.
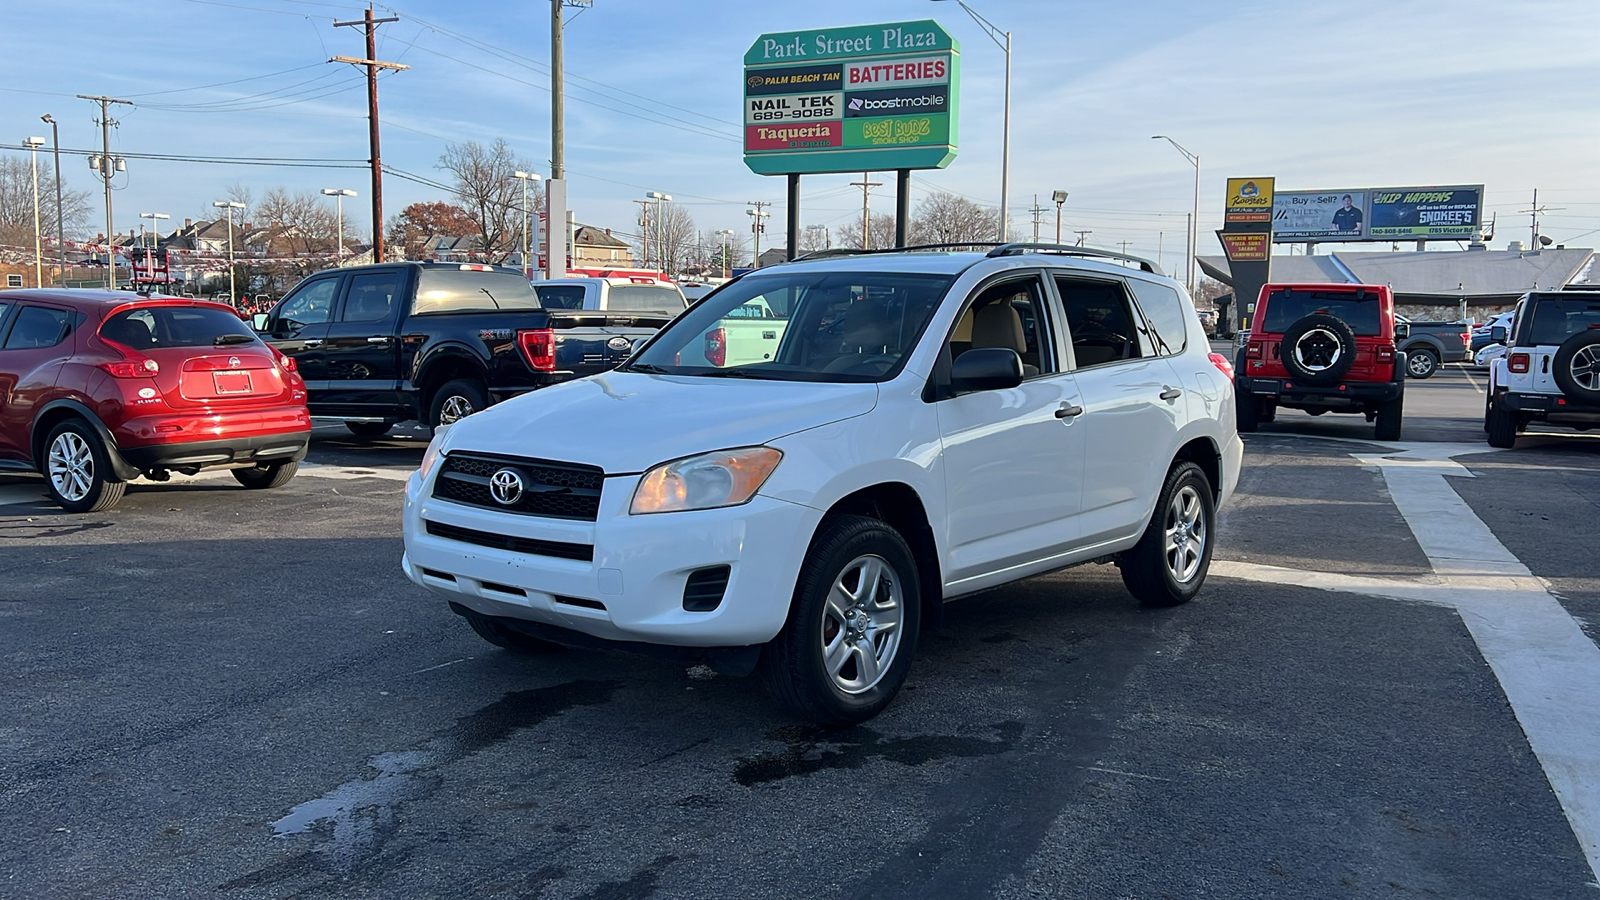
(233, 362)
(619, 343)
(505, 486)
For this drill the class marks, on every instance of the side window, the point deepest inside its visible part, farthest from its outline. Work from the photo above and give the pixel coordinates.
(13, 280)
(39, 326)
(310, 305)
(1166, 315)
(1008, 315)
(372, 297)
(566, 296)
(1104, 329)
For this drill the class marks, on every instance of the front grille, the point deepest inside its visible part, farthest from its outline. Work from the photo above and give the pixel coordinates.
(553, 490)
(703, 591)
(534, 546)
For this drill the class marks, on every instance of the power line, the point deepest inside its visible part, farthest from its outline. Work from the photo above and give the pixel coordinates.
(226, 83)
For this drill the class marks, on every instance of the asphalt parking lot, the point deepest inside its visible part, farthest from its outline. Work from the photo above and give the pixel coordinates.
(219, 692)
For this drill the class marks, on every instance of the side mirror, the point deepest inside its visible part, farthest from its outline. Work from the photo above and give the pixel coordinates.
(259, 321)
(1497, 334)
(986, 369)
(1402, 330)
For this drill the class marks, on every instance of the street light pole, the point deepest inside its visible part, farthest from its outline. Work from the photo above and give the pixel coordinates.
(661, 254)
(527, 237)
(61, 227)
(996, 35)
(1191, 235)
(338, 195)
(1059, 197)
(727, 250)
(230, 206)
(155, 245)
(33, 144)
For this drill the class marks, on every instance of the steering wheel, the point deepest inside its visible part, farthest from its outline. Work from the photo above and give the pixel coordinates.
(881, 359)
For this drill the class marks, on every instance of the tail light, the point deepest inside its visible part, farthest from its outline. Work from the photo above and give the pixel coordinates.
(1385, 353)
(285, 363)
(1252, 350)
(538, 348)
(1519, 362)
(1222, 364)
(717, 347)
(131, 368)
(1466, 338)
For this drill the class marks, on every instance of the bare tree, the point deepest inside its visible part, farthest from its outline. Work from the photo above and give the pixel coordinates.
(814, 238)
(672, 237)
(487, 189)
(16, 203)
(880, 229)
(943, 218)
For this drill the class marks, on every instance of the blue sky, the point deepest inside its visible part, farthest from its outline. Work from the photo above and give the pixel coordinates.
(1357, 93)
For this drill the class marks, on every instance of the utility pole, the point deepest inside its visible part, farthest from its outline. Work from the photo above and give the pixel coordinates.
(866, 208)
(33, 144)
(757, 226)
(107, 167)
(1037, 210)
(61, 240)
(1536, 211)
(1082, 236)
(644, 230)
(372, 65)
(1125, 247)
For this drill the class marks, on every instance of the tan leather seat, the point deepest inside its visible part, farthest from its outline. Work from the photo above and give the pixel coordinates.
(998, 325)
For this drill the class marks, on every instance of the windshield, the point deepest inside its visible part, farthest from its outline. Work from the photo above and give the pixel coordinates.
(645, 298)
(1358, 310)
(176, 326)
(1555, 319)
(800, 326)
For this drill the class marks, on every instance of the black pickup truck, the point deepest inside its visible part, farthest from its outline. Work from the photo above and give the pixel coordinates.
(382, 344)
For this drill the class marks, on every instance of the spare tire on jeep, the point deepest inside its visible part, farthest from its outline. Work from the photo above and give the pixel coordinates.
(1576, 367)
(1318, 349)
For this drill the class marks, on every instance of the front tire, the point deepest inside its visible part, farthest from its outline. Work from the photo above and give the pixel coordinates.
(260, 478)
(77, 469)
(1169, 564)
(455, 400)
(508, 638)
(1421, 363)
(853, 623)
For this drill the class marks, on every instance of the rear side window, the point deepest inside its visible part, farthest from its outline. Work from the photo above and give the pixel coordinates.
(39, 326)
(1555, 319)
(1360, 310)
(1103, 328)
(175, 326)
(1164, 312)
(560, 296)
(442, 290)
(645, 298)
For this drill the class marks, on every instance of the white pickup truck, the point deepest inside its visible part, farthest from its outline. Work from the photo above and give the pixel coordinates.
(747, 333)
(612, 295)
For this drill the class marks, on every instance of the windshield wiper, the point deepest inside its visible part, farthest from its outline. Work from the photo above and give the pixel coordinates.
(645, 368)
(736, 373)
(222, 340)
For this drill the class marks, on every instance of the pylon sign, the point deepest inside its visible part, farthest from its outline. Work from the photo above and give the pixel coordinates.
(858, 99)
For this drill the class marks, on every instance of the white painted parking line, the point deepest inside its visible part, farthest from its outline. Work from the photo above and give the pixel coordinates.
(1472, 381)
(1546, 665)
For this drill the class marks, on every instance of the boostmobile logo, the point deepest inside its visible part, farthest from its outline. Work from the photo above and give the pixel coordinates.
(857, 104)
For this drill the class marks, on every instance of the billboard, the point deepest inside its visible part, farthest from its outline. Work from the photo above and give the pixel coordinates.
(857, 99)
(1377, 214)
(1249, 200)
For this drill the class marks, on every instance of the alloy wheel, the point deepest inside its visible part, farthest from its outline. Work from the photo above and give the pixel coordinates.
(71, 466)
(1318, 350)
(1185, 534)
(861, 624)
(454, 409)
(1585, 367)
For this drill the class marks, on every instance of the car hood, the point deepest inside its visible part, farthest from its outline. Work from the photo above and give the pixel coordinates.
(627, 422)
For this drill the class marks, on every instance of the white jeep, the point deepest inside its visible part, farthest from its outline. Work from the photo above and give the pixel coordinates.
(1550, 371)
(930, 425)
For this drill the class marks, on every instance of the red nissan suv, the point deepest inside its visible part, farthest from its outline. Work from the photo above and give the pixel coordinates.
(100, 387)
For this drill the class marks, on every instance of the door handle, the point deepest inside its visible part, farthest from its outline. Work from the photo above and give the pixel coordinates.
(1067, 412)
(379, 339)
(1171, 393)
(313, 342)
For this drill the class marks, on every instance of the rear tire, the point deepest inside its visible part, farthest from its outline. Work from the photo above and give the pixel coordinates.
(1502, 427)
(1169, 564)
(259, 478)
(1269, 410)
(1247, 414)
(853, 622)
(368, 429)
(1390, 414)
(77, 469)
(1421, 363)
(455, 400)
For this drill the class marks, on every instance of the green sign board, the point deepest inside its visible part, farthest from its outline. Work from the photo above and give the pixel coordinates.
(869, 98)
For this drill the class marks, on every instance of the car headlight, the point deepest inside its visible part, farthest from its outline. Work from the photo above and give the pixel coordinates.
(707, 481)
(431, 456)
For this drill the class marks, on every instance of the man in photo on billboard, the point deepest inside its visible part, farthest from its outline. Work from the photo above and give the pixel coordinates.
(1347, 217)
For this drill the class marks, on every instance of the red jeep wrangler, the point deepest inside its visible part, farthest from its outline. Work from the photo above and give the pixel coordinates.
(1323, 348)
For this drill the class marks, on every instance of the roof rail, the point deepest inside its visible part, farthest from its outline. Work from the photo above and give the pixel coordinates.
(1016, 248)
(856, 251)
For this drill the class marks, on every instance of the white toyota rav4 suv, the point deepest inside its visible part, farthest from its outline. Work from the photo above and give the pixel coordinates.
(931, 425)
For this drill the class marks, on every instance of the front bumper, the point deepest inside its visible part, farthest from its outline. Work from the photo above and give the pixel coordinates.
(1290, 392)
(633, 587)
